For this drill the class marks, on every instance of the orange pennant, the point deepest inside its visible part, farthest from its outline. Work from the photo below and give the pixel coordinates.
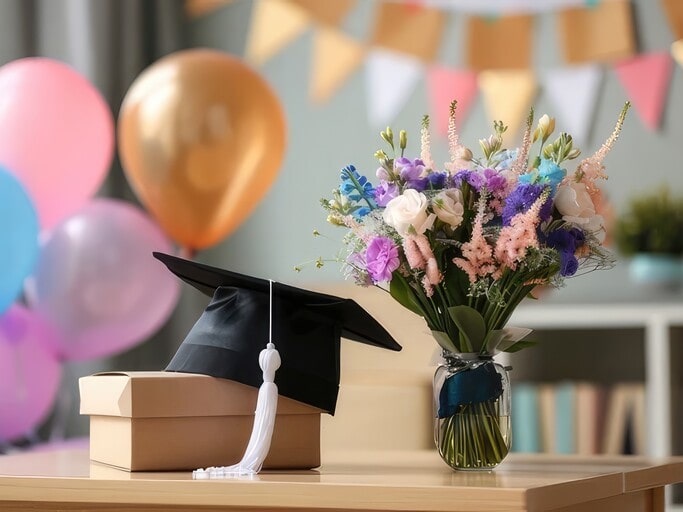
(405, 29)
(501, 43)
(674, 15)
(601, 33)
(197, 8)
(335, 57)
(274, 24)
(328, 13)
(508, 96)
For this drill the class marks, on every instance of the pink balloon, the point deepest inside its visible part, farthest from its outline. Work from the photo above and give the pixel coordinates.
(56, 135)
(29, 372)
(97, 282)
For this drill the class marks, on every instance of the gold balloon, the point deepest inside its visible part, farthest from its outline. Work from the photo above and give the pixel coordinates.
(201, 139)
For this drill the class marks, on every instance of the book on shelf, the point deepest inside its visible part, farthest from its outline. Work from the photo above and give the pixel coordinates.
(578, 417)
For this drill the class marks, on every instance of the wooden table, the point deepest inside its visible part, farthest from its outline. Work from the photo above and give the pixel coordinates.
(65, 480)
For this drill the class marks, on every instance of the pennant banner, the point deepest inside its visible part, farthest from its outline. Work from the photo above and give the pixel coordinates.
(445, 85)
(500, 43)
(391, 78)
(505, 6)
(603, 33)
(328, 13)
(274, 25)
(574, 93)
(677, 51)
(508, 96)
(674, 15)
(335, 57)
(197, 8)
(646, 80)
(408, 29)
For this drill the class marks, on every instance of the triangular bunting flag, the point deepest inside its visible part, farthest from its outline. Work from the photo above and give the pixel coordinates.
(446, 85)
(328, 13)
(274, 24)
(646, 80)
(408, 29)
(574, 92)
(197, 8)
(508, 96)
(391, 78)
(677, 51)
(335, 57)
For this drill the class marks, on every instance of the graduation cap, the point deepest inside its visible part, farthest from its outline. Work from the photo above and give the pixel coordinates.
(306, 328)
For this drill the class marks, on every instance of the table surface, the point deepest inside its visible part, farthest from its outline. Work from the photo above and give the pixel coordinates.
(417, 481)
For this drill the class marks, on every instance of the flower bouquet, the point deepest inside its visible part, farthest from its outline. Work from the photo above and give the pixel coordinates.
(463, 245)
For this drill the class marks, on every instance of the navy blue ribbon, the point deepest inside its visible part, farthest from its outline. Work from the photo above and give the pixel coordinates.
(471, 385)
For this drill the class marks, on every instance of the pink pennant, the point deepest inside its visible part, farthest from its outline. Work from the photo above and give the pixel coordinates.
(446, 85)
(646, 80)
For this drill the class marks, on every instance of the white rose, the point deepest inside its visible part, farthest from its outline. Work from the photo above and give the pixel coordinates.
(576, 206)
(448, 206)
(408, 209)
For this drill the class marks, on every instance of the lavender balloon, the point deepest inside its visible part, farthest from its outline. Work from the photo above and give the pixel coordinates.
(97, 282)
(29, 372)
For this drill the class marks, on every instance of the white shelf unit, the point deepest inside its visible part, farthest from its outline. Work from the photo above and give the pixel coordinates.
(656, 320)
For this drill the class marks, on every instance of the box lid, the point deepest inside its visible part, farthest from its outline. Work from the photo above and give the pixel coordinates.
(171, 394)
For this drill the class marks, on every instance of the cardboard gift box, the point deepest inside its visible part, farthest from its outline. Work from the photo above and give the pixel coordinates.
(155, 421)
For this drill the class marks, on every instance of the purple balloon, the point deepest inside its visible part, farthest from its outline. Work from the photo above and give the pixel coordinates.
(97, 282)
(29, 372)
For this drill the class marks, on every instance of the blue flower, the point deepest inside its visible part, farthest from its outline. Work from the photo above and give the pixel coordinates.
(475, 180)
(357, 188)
(566, 242)
(437, 180)
(548, 173)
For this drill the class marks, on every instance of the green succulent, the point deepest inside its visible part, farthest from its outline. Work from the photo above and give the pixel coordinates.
(653, 223)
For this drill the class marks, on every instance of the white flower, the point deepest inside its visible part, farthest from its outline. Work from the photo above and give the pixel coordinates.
(448, 206)
(408, 209)
(576, 206)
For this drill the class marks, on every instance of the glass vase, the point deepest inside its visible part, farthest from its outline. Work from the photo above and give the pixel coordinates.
(472, 411)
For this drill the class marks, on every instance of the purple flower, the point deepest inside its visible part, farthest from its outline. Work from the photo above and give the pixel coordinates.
(381, 258)
(410, 172)
(357, 262)
(521, 199)
(566, 241)
(568, 264)
(495, 182)
(437, 180)
(385, 192)
(475, 180)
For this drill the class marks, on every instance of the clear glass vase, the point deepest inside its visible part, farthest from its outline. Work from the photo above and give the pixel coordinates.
(472, 411)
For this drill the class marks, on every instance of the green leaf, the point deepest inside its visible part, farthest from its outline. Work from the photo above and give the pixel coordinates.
(521, 344)
(401, 292)
(471, 325)
(445, 341)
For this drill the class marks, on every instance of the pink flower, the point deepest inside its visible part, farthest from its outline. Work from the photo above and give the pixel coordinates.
(381, 259)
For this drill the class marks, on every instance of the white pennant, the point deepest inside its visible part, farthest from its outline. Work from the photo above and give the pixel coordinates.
(574, 93)
(390, 79)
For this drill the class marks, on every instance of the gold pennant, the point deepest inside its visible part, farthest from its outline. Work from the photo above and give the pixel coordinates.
(674, 15)
(502, 43)
(677, 51)
(508, 95)
(274, 24)
(335, 57)
(327, 12)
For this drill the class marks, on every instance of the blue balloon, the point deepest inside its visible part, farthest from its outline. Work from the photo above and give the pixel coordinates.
(18, 238)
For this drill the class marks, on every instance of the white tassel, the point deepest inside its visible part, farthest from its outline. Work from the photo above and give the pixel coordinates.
(264, 417)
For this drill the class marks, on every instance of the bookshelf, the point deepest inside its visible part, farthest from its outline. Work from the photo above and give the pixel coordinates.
(657, 322)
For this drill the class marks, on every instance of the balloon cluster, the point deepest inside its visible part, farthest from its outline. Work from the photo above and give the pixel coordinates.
(201, 137)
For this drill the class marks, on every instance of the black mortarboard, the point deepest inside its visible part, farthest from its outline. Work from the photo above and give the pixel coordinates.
(307, 327)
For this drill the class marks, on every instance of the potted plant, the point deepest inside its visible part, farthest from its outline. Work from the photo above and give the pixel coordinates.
(650, 232)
